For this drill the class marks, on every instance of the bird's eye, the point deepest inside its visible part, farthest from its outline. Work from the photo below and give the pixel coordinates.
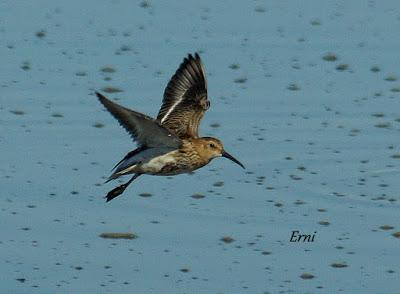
(212, 145)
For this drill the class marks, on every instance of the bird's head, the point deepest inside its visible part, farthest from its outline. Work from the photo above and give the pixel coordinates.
(212, 148)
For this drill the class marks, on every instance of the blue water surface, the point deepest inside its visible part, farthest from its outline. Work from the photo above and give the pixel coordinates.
(304, 93)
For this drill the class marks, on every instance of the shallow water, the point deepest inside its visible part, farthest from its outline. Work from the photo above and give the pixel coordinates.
(305, 95)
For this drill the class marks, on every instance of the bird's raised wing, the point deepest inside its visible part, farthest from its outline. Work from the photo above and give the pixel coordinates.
(142, 128)
(185, 99)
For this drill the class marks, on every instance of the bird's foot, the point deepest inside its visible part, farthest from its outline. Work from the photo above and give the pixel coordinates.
(115, 192)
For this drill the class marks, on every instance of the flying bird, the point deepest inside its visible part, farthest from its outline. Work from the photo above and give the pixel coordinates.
(170, 144)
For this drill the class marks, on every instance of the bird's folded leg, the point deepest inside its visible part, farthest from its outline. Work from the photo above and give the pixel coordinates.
(120, 189)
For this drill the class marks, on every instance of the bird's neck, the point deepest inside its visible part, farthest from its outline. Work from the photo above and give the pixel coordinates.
(193, 147)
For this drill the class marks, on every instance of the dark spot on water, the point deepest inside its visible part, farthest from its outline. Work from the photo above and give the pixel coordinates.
(125, 48)
(324, 223)
(98, 125)
(108, 69)
(112, 90)
(128, 236)
(81, 73)
(215, 125)
(395, 89)
(234, 66)
(227, 239)
(259, 9)
(307, 276)
(375, 68)
(391, 78)
(41, 34)
(293, 87)
(185, 270)
(396, 235)
(315, 22)
(145, 194)
(218, 184)
(240, 80)
(386, 227)
(354, 132)
(145, 4)
(330, 57)
(299, 202)
(17, 112)
(339, 265)
(295, 177)
(26, 65)
(342, 67)
(383, 125)
(198, 196)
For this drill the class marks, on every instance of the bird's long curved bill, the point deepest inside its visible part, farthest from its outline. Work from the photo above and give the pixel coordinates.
(227, 155)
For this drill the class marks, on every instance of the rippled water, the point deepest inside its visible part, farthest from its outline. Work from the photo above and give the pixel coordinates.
(306, 95)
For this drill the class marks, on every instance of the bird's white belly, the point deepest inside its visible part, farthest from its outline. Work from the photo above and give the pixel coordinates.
(156, 164)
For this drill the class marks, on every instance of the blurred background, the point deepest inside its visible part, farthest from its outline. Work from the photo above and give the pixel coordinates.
(304, 93)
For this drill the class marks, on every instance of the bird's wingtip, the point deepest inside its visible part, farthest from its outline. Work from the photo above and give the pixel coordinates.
(99, 95)
(194, 56)
(110, 178)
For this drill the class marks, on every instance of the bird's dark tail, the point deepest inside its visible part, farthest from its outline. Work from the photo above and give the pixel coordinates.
(120, 189)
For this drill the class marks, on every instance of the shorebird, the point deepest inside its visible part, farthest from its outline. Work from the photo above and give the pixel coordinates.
(169, 144)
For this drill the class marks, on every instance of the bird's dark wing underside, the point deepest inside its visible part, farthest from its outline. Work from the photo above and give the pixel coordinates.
(130, 154)
(185, 99)
(145, 130)
(136, 157)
